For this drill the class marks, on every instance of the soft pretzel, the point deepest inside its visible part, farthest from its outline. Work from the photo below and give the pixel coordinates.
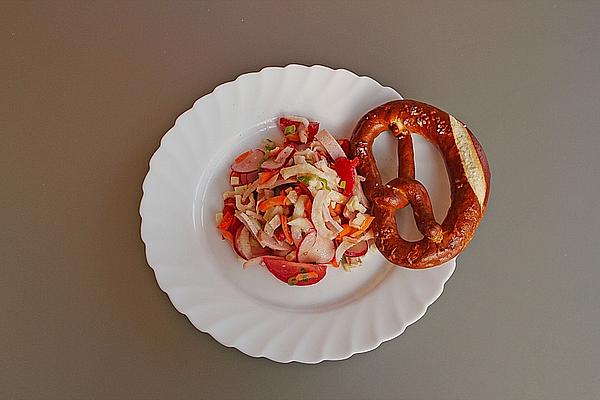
(468, 172)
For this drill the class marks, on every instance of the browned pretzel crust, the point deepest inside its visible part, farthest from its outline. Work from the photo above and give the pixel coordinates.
(468, 171)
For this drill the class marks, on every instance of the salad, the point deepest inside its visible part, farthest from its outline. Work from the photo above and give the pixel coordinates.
(297, 207)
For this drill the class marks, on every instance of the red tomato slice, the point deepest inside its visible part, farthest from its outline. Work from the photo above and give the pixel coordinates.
(295, 273)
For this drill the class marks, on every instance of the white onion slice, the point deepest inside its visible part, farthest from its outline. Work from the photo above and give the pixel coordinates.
(358, 192)
(321, 200)
(337, 228)
(250, 223)
(299, 206)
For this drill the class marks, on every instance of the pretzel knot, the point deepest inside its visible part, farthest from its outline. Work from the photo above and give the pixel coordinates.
(468, 172)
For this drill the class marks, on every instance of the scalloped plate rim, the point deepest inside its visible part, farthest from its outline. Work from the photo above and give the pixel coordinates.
(422, 311)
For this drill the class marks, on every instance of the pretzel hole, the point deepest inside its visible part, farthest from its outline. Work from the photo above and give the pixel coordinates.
(430, 170)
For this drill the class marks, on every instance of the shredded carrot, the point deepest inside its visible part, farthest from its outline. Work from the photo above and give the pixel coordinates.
(363, 228)
(286, 229)
(365, 225)
(242, 156)
(334, 262)
(226, 221)
(265, 176)
(280, 200)
(227, 235)
(347, 230)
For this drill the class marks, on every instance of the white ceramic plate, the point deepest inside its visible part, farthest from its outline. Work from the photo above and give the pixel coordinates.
(344, 314)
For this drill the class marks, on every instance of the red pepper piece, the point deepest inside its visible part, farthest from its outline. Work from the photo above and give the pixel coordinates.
(346, 170)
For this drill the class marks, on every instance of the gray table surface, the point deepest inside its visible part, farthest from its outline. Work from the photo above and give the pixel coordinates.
(89, 88)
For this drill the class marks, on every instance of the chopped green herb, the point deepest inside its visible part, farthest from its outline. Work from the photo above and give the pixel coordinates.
(342, 184)
(269, 144)
(345, 266)
(324, 182)
(305, 179)
(289, 130)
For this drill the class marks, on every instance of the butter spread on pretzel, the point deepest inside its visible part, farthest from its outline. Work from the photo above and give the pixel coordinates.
(468, 172)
